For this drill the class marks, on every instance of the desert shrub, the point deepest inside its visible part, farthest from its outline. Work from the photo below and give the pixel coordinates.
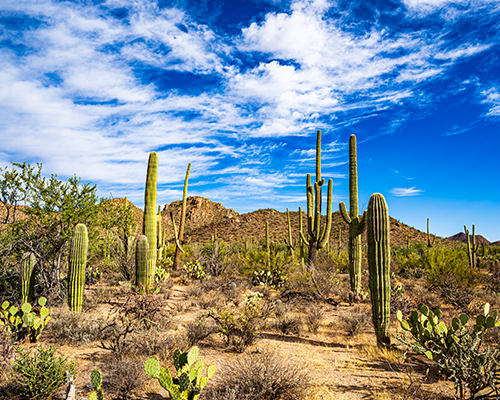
(285, 321)
(242, 329)
(39, 373)
(399, 300)
(355, 322)
(147, 309)
(442, 264)
(258, 376)
(92, 275)
(214, 255)
(314, 316)
(199, 330)
(456, 349)
(74, 328)
(125, 374)
(314, 281)
(460, 296)
(410, 266)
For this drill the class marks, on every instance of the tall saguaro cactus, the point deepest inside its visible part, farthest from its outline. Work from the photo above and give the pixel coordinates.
(379, 260)
(355, 222)
(142, 279)
(317, 237)
(77, 262)
(150, 220)
(27, 277)
(290, 244)
(178, 249)
(471, 248)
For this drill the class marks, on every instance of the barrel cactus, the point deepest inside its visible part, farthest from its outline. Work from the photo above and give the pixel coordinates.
(77, 262)
(379, 259)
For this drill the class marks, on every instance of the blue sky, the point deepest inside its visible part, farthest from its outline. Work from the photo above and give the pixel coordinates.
(239, 88)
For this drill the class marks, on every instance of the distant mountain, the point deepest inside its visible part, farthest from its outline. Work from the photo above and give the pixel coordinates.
(462, 237)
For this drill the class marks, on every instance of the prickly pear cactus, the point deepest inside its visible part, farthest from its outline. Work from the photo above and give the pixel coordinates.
(189, 381)
(96, 379)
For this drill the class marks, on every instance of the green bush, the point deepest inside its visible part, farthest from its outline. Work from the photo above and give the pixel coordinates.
(442, 264)
(40, 374)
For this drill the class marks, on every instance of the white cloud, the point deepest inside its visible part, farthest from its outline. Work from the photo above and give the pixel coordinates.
(404, 192)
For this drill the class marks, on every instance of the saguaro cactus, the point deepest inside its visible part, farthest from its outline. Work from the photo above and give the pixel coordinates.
(379, 259)
(317, 237)
(472, 248)
(77, 262)
(27, 277)
(430, 242)
(142, 280)
(178, 249)
(356, 223)
(290, 243)
(150, 220)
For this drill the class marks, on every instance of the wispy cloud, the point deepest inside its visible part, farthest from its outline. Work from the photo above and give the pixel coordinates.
(405, 192)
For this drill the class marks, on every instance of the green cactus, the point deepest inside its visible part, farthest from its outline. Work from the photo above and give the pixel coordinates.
(180, 237)
(379, 259)
(176, 235)
(27, 277)
(24, 322)
(142, 279)
(189, 381)
(96, 379)
(150, 220)
(268, 246)
(472, 248)
(290, 243)
(355, 222)
(430, 242)
(76, 272)
(317, 237)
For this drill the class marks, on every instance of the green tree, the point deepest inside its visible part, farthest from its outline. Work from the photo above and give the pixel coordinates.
(45, 226)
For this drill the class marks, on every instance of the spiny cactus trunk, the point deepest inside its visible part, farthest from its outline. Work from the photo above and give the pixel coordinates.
(149, 227)
(178, 251)
(356, 223)
(379, 258)
(141, 263)
(27, 277)
(77, 262)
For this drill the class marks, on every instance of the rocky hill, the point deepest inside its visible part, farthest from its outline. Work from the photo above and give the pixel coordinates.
(462, 238)
(204, 217)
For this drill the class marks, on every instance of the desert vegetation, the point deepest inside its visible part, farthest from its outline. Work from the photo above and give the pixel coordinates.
(102, 300)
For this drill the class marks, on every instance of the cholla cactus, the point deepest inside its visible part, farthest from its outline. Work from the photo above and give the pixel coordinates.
(189, 381)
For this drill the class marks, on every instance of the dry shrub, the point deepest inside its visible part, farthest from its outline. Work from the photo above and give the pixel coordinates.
(314, 316)
(355, 321)
(285, 320)
(195, 290)
(152, 342)
(256, 376)
(74, 328)
(209, 300)
(199, 330)
(124, 375)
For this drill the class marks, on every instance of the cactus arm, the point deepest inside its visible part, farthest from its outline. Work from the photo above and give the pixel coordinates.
(328, 227)
(76, 272)
(304, 240)
(343, 211)
(176, 237)
(310, 205)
